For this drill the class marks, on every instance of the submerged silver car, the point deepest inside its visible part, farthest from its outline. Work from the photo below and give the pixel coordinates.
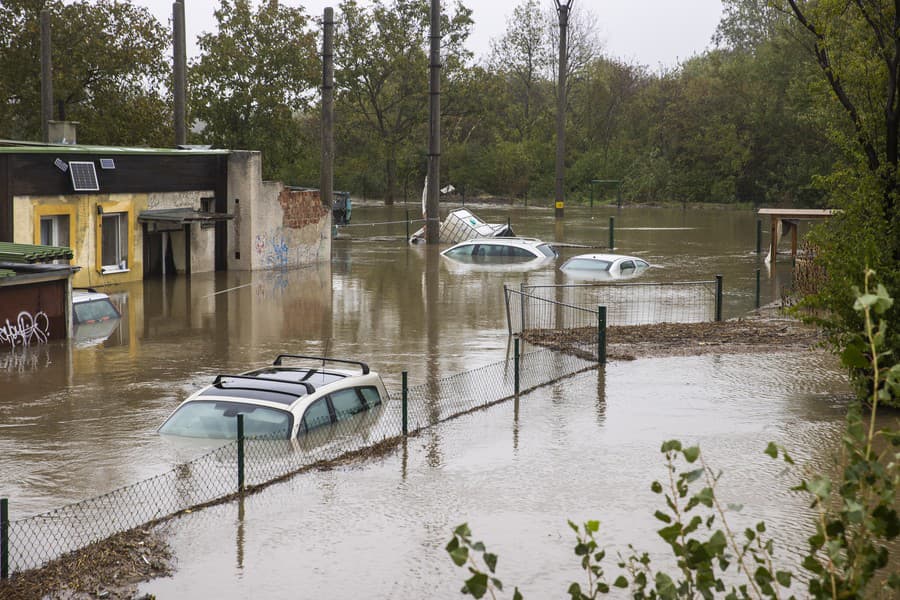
(605, 266)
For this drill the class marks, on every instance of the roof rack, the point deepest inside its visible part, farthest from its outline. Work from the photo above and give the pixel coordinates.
(362, 365)
(310, 389)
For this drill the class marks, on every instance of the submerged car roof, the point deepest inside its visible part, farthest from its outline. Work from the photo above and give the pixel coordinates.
(277, 383)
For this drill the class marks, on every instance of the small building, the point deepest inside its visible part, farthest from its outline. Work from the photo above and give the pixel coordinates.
(35, 294)
(133, 213)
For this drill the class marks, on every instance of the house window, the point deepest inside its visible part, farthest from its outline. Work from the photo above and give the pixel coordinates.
(114, 242)
(55, 230)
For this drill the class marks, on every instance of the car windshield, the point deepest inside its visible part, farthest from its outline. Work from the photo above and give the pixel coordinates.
(588, 264)
(92, 311)
(212, 419)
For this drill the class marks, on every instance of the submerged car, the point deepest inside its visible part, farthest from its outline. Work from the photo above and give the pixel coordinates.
(94, 316)
(605, 266)
(501, 250)
(278, 401)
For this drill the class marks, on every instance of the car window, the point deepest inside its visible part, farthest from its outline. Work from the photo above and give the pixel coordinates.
(460, 251)
(641, 264)
(546, 250)
(218, 420)
(520, 252)
(94, 310)
(346, 403)
(371, 396)
(627, 265)
(316, 415)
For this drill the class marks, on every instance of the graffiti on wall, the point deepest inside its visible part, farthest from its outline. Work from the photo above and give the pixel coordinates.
(28, 329)
(272, 249)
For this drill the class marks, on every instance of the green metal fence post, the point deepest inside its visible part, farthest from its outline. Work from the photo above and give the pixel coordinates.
(407, 225)
(404, 403)
(240, 452)
(4, 538)
(757, 288)
(718, 297)
(612, 233)
(516, 364)
(759, 236)
(601, 335)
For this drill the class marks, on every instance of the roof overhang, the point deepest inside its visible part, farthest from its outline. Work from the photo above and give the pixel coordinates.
(173, 219)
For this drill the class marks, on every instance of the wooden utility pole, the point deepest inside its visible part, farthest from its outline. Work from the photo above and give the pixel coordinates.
(179, 61)
(326, 185)
(562, 8)
(433, 225)
(46, 77)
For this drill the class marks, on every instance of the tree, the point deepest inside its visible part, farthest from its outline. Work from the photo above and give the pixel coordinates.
(381, 68)
(109, 71)
(856, 46)
(254, 80)
(524, 54)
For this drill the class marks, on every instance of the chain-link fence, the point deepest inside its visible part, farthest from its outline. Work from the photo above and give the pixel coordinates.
(217, 475)
(571, 306)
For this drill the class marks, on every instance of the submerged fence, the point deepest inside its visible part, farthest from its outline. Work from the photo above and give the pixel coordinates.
(571, 306)
(215, 476)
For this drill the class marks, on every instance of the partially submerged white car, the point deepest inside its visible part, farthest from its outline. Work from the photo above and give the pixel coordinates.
(278, 401)
(605, 266)
(501, 250)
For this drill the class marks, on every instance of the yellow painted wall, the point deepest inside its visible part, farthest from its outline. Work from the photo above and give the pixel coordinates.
(84, 234)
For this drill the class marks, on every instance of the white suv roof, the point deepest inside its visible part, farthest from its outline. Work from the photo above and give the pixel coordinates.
(276, 390)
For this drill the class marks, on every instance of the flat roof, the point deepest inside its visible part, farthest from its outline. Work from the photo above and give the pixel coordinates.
(19, 147)
(808, 213)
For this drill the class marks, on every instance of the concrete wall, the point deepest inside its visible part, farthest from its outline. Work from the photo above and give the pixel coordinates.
(274, 227)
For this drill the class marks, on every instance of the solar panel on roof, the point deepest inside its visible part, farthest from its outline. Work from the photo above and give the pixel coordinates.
(61, 165)
(84, 176)
(107, 163)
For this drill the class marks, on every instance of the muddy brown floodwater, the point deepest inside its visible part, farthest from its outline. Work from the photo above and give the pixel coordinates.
(80, 421)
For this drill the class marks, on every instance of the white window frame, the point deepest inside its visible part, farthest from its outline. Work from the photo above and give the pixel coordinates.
(121, 242)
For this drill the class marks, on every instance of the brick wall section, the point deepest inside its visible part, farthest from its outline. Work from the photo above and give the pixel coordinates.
(301, 208)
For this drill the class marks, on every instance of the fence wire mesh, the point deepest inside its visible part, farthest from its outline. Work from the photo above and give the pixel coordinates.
(570, 306)
(213, 477)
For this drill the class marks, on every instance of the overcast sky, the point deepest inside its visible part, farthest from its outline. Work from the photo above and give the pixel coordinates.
(657, 33)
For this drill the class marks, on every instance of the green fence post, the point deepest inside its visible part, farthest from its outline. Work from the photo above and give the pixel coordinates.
(759, 236)
(407, 225)
(4, 538)
(240, 452)
(601, 335)
(516, 364)
(404, 403)
(718, 297)
(757, 288)
(612, 233)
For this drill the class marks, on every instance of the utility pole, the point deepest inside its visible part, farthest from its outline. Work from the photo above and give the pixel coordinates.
(326, 185)
(563, 7)
(179, 61)
(46, 77)
(432, 224)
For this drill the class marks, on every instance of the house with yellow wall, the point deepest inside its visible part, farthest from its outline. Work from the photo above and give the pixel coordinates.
(130, 214)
